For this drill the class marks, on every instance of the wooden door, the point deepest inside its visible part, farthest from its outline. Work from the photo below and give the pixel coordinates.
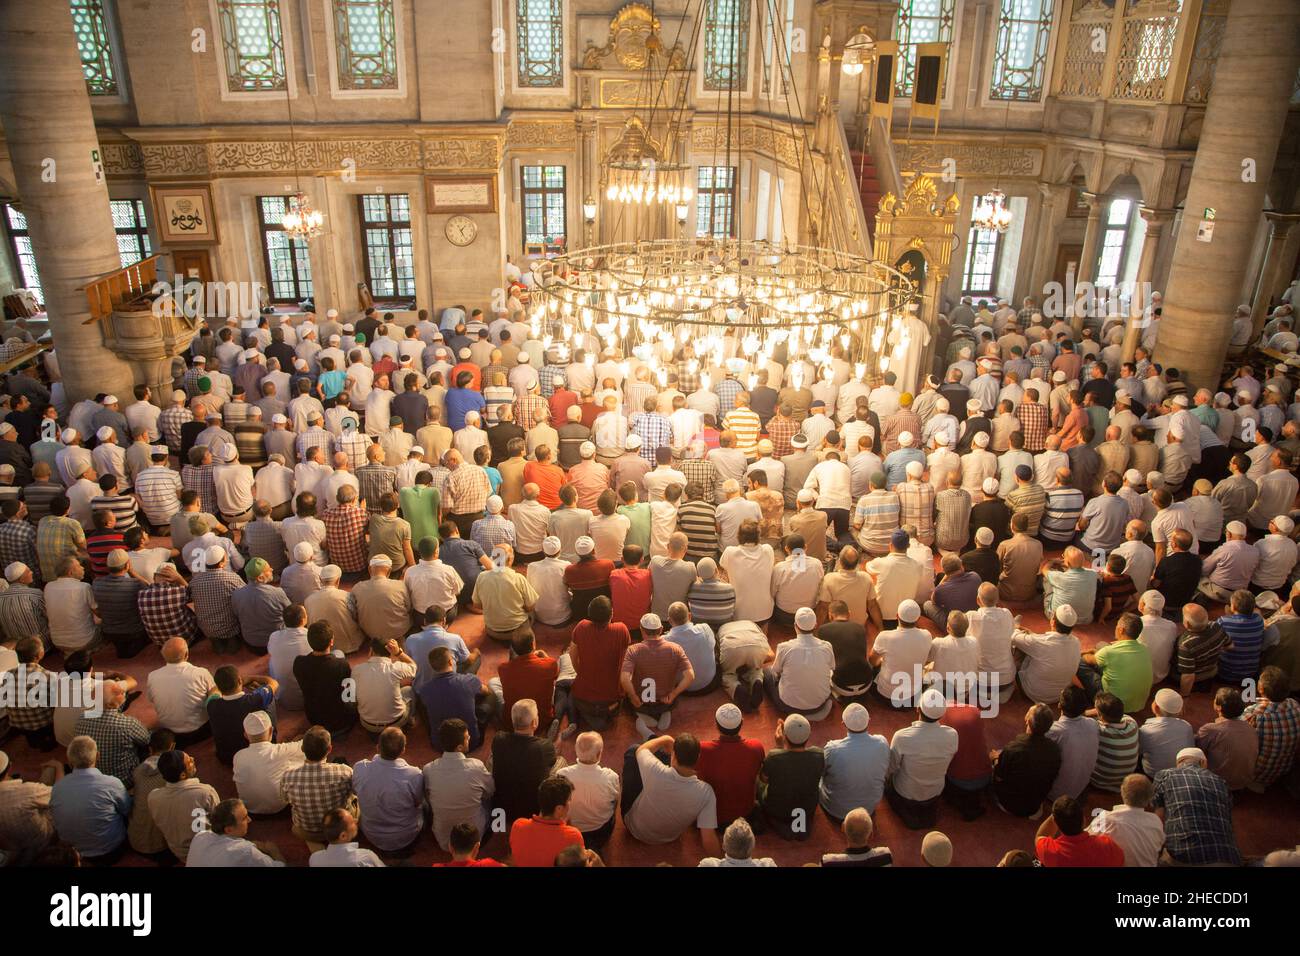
(193, 264)
(1068, 256)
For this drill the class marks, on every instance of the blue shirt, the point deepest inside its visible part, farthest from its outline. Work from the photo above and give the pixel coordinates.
(90, 811)
(701, 650)
(458, 402)
(419, 645)
(391, 794)
(1246, 631)
(896, 463)
(331, 383)
(854, 774)
(451, 695)
(462, 555)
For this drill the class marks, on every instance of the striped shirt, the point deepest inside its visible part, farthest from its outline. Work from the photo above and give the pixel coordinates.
(38, 496)
(713, 601)
(1246, 632)
(952, 523)
(1198, 652)
(99, 544)
(1117, 753)
(877, 518)
(373, 482)
(745, 424)
(22, 613)
(1061, 517)
(159, 489)
(116, 597)
(122, 506)
(1031, 501)
(697, 519)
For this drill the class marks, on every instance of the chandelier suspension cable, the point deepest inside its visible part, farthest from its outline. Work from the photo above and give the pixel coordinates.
(300, 220)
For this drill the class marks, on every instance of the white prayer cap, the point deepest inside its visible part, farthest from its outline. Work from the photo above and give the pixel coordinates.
(1123, 398)
(981, 440)
(16, 570)
(303, 552)
(1242, 396)
(1058, 376)
(250, 353)
(523, 358)
(632, 442)
(464, 353)
(1190, 753)
(805, 619)
(214, 554)
(335, 340)
(117, 559)
(228, 453)
(905, 439)
(587, 450)
(909, 611)
(990, 486)
(1181, 401)
(278, 419)
(584, 545)
(179, 395)
(1153, 601)
(942, 404)
(105, 433)
(1169, 700)
(807, 496)
(200, 360)
(941, 439)
(933, 704)
(984, 537)
(1284, 524)
(551, 545)
(415, 450)
(69, 436)
(331, 313)
(1155, 480)
(728, 717)
(797, 730)
(1133, 476)
(915, 469)
(331, 572)
(257, 723)
(558, 381)
(649, 622)
(349, 327)
(974, 406)
(856, 718)
(109, 400)
(1222, 399)
(1066, 616)
(381, 561)
(495, 504)
(936, 849)
(213, 416)
(1236, 528)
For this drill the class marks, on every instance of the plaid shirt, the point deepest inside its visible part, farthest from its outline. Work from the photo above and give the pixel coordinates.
(31, 718)
(345, 536)
(57, 537)
(1278, 726)
(688, 381)
(1198, 816)
(530, 410)
(952, 526)
(169, 423)
(467, 490)
(546, 378)
(117, 736)
(314, 789)
(165, 612)
(315, 438)
(22, 613)
(916, 506)
(212, 605)
(727, 391)
(190, 380)
(1034, 425)
(780, 430)
(705, 473)
(374, 481)
(491, 531)
(354, 445)
(654, 430)
(199, 478)
(18, 543)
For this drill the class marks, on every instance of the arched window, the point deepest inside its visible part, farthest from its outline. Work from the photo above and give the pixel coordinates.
(1020, 50)
(983, 256)
(1117, 226)
(252, 45)
(726, 45)
(539, 26)
(90, 24)
(365, 41)
(920, 21)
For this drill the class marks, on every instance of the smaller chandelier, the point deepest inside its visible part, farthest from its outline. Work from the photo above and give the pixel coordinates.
(646, 182)
(301, 221)
(993, 214)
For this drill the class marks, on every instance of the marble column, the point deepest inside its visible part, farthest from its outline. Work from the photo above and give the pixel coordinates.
(50, 134)
(1087, 258)
(1044, 241)
(1273, 275)
(1156, 220)
(1244, 118)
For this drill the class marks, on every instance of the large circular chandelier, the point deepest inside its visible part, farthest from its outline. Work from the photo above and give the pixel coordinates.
(654, 296)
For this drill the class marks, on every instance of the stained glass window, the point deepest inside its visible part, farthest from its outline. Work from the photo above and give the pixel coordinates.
(252, 40)
(132, 230)
(715, 202)
(726, 45)
(288, 265)
(544, 205)
(983, 252)
(90, 24)
(1020, 52)
(365, 38)
(540, 40)
(386, 242)
(919, 21)
(21, 241)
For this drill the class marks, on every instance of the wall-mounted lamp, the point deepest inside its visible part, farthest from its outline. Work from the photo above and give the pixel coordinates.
(589, 210)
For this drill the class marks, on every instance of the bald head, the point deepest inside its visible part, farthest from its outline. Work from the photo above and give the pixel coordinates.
(175, 650)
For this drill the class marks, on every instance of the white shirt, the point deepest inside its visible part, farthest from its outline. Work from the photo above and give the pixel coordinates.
(663, 522)
(793, 588)
(1045, 467)
(274, 484)
(1050, 663)
(730, 514)
(552, 607)
(1277, 491)
(457, 788)
(214, 849)
(896, 577)
(284, 647)
(344, 854)
(143, 415)
(234, 486)
(378, 683)
(803, 668)
(258, 770)
(532, 521)
(595, 794)
(904, 651)
(1139, 833)
(179, 693)
(659, 479)
(68, 604)
(919, 756)
(749, 569)
(831, 480)
(1141, 562)
(1277, 556)
(432, 584)
(669, 803)
(992, 627)
(1159, 636)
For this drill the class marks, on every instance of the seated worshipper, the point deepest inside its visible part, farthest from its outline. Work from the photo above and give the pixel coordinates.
(1197, 809)
(380, 604)
(1078, 736)
(259, 606)
(1276, 719)
(1048, 662)
(458, 788)
(1137, 831)
(700, 645)
(655, 672)
(596, 651)
(790, 779)
(1117, 743)
(711, 600)
(857, 828)
(553, 606)
(992, 627)
(747, 565)
(390, 796)
(465, 556)
(899, 656)
(983, 559)
(1071, 580)
(259, 767)
(520, 762)
(504, 597)
(799, 680)
(225, 843)
(382, 686)
(855, 767)
(731, 765)
(1230, 566)
(442, 687)
(1062, 841)
(953, 664)
(316, 788)
(529, 674)
(179, 691)
(1230, 744)
(1177, 574)
(1025, 769)
(663, 796)
(237, 699)
(853, 674)
(1116, 592)
(181, 800)
(958, 591)
(1162, 736)
(432, 584)
(536, 841)
(88, 808)
(588, 577)
(301, 578)
(1122, 667)
(1240, 659)
(919, 758)
(629, 589)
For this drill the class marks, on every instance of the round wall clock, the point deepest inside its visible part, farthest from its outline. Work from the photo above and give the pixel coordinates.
(461, 230)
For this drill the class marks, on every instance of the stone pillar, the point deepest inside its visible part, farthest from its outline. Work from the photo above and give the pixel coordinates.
(45, 111)
(1087, 258)
(1247, 108)
(1156, 219)
(1044, 244)
(1273, 275)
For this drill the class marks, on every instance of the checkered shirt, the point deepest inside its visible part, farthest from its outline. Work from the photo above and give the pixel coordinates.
(212, 605)
(546, 378)
(345, 536)
(1198, 816)
(354, 445)
(374, 481)
(169, 423)
(654, 430)
(467, 490)
(313, 790)
(1034, 424)
(780, 431)
(916, 506)
(727, 391)
(199, 478)
(688, 381)
(491, 531)
(31, 718)
(315, 438)
(18, 543)
(701, 471)
(1278, 727)
(57, 537)
(165, 613)
(530, 410)
(117, 736)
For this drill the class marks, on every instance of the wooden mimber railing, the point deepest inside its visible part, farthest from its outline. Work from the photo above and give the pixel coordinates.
(114, 289)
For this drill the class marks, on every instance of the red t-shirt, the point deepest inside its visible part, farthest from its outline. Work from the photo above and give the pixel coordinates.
(657, 660)
(600, 656)
(589, 574)
(548, 478)
(484, 862)
(629, 590)
(590, 412)
(560, 401)
(730, 765)
(476, 383)
(530, 677)
(536, 841)
(1083, 849)
(971, 762)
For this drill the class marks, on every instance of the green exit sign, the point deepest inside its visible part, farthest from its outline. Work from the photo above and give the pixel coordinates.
(1209, 213)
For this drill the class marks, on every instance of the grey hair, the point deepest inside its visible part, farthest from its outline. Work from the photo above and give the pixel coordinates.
(738, 840)
(1137, 790)
(588, 746)
(523, 715)
(82, 752)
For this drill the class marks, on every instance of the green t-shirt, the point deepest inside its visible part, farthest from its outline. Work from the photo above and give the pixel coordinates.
(1126, 672)
(420, 506)
(639, 533)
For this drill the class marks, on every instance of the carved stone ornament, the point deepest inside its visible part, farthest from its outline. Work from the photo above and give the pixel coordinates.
(633, 41)
(972, 159)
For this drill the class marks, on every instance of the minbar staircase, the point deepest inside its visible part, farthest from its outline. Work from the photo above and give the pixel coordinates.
(869, 188)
